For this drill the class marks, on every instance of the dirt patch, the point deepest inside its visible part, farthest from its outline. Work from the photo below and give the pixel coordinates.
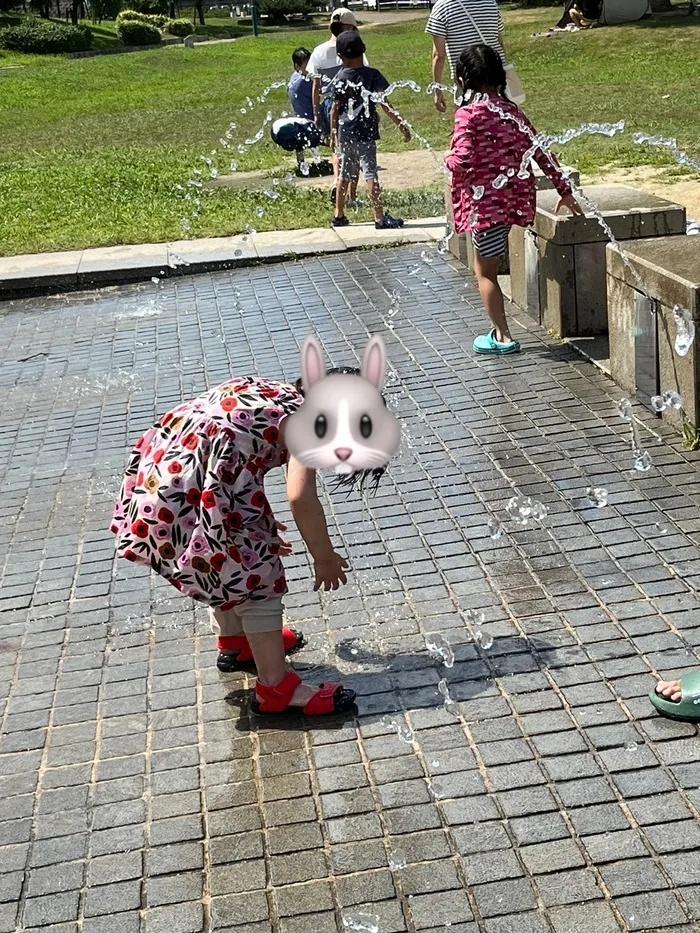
(400, 171)
(684, 191)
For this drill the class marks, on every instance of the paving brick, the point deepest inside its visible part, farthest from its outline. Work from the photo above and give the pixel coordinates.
(174, 889)
(237, 877)
(51, 908)
(589, 916)
(504, 897)
(182, 918)
(551, 856)
(311, 898)
(113, 898)
(568, 887)
(530, 922)
(632, 876)
(658, 909)
(433, 911)
(480, 868)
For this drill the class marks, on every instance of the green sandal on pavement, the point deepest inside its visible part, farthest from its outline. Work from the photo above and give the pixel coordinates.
(687, 709)
(487, 343)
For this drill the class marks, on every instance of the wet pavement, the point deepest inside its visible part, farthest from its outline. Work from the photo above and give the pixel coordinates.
(137, 792)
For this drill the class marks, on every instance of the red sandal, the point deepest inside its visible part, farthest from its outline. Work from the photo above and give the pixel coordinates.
(235, 653)
(328, 700)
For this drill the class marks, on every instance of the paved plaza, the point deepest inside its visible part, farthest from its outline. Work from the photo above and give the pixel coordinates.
(138, 794)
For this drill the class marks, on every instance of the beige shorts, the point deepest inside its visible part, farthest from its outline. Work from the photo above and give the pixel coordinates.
(251, 617)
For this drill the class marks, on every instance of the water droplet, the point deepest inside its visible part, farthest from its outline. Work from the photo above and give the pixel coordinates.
(510, 173)
(624, 407)
(642, 461)
(186, 225)
(440, 649)
(685, 330)
(434, 763)
(437, 789)
(241, 148)
(660, 528)
(214, 172)
(499, 182)
(631, 746)
(243, 110)
(673, 399)
(657, 403)
(397, 860)
(155, 280)
(237, 253)
(478, 192)
(495, 528)
(427, 259)
(597, 496)
(260, 211)
(483, 638)
(251, 231)
(358, 921)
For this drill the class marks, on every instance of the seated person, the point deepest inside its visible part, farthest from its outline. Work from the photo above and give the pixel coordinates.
(583, 14)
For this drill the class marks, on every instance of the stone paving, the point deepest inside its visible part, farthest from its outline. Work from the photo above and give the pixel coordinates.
(137, 793)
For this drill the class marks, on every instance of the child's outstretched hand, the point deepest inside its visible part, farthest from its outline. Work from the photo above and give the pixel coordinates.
(285, 547)
(330, 571)
(571, 203)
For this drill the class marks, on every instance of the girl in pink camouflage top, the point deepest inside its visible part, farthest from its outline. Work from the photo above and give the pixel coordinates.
(488, 196)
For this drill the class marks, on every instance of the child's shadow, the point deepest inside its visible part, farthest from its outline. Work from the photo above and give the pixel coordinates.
(406, 683)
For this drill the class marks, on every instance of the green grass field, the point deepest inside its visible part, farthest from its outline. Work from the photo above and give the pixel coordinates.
(92, 149)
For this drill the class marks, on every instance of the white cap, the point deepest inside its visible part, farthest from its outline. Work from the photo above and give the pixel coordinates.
(344, 16)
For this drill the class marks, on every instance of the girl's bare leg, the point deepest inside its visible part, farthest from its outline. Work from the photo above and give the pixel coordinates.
(486, 271)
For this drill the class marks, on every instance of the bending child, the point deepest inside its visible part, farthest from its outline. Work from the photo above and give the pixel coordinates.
(193, 508)
(489, 196)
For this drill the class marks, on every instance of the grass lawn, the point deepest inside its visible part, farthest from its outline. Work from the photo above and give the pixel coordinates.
(92, 149)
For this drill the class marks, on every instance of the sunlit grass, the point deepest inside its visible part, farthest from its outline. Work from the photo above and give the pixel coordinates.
(92, 149)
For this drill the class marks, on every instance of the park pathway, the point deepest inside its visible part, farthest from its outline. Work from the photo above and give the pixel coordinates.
(137, 792)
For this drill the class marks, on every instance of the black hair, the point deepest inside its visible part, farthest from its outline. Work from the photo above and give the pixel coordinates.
(337, 27)
(360, 479)
(300, 57)
(479, 67)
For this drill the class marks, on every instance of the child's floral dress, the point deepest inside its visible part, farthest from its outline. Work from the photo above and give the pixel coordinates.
(192, 504)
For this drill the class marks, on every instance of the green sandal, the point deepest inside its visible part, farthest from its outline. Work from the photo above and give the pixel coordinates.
(487, 343)
(687, 709)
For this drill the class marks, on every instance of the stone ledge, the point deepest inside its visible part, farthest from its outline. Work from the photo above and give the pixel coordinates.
(51, 273)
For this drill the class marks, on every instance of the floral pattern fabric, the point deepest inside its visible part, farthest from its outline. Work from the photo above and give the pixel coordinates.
(192, 504)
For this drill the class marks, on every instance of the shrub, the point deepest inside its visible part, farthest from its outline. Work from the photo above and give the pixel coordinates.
(132, 16)
(278, 10)
(39, 37)
(180, 27)
(138, 34)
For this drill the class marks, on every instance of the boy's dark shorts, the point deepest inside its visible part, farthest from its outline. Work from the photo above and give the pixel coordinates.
(355, 154)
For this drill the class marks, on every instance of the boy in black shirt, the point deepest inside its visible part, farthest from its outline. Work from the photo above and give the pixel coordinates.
(355, 127)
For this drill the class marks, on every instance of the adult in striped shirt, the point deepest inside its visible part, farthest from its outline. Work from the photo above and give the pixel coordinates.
(455, 26)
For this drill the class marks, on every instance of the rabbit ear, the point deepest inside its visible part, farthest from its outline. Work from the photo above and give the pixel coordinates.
(313, 367)
(374, 362)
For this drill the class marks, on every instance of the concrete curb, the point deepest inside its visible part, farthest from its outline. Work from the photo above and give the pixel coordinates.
(80, 270)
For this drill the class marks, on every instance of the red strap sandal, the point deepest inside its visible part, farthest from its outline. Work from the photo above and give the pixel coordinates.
(328, 700)
(235, 653)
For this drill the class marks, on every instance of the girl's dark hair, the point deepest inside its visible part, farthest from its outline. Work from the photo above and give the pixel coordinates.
(480, 66)
(300, 57)
(360, 479)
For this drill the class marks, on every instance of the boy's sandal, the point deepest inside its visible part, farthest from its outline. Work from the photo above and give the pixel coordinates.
(487, 343)
(235, 653)
(328, 700)
(687, 709)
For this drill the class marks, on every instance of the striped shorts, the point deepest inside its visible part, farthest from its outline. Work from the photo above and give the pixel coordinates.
(492, 242)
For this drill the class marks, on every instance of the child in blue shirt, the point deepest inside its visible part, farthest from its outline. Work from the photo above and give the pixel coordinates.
(300, 85)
